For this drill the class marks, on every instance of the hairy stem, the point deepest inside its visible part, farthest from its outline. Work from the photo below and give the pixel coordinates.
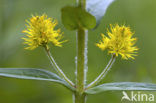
(80, 96)
(104, 72)
(56, 67)
(80, 60)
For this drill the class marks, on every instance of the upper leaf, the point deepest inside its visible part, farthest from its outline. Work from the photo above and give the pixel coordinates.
(75, 17)
(69, 17)
(98, 8)
(35, 74)
(121, 86)
(85, 19)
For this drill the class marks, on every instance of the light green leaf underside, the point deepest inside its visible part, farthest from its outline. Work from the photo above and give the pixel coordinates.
(33, 74)
(98, 8)
(119, 86)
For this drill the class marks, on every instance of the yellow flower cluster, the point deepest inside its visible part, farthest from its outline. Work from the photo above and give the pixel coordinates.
(40, 31)
(119, 41)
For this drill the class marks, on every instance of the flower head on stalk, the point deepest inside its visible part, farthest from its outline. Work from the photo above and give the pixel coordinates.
(119, 42)
(40, 31)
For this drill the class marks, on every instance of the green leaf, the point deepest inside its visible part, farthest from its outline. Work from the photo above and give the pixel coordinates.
(69, 17)
(98, 8)
(75, 17)
(85, 19)
(34, 74)
(122, 86)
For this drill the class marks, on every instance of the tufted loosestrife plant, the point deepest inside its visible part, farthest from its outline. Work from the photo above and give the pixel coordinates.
(40, 32)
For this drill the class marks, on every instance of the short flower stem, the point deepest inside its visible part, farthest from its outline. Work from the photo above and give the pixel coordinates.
(56, 67)
(104, 72)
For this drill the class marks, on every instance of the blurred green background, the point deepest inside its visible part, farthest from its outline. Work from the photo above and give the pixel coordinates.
(139, 14)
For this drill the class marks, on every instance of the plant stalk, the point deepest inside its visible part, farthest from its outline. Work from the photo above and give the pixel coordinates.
(79, 95)
(104, 72)
(79, 98)
(80, 59)
(57, 68)
(80, 78)
(82, 4)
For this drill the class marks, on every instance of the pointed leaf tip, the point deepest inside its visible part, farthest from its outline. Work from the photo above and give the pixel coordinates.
(120, 86)
(33, 74)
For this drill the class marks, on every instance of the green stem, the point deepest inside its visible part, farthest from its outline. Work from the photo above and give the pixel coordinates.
(82, 3)
(80, 60)
(60, 72)
(104, 72)
(80, 96)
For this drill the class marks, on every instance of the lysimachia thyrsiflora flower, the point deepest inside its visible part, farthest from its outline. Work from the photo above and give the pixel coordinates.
(40, 31)
(119, 41)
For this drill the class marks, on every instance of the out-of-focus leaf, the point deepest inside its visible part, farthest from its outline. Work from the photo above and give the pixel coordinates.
(34, 74)
(69, 17)
(122, 86)
(74, 17)
(86, 20)
(98, 8)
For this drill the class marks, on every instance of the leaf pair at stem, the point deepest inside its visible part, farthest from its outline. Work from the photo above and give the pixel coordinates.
(40, 74)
